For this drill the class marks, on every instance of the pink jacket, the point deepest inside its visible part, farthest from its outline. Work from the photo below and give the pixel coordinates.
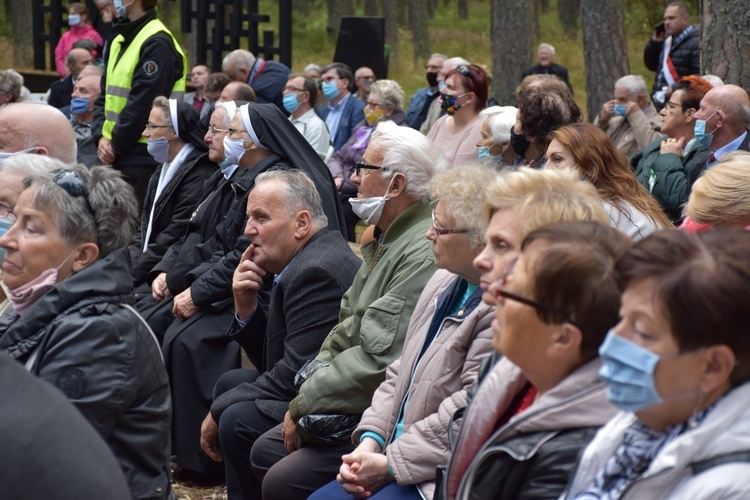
(66, 42)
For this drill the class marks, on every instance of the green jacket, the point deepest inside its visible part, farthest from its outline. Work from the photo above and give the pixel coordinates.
(374, 317)
(669, 184)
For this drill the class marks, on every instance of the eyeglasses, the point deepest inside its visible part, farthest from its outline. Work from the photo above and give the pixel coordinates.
(6, 212)
(293, 89)
(439, 231)
(74, 186)
(366, 78)
(151, 128)
(359, 166)
(499, 291)
(215, 130)
(672, 105)
(233, 133)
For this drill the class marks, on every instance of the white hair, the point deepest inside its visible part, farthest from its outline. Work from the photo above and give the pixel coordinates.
(502, 119)
(239, 58)
(546, 46)
(634, 83)
(714, 80)
(407, 151)
(391, 94)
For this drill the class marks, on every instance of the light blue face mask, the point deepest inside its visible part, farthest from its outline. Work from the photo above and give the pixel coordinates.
(158, 149)
(483, 152)
(441, 85)
(4, 156)
(620, 109)
(700, 131)
(330, 90)
(290, 102)
(227, 168)
(5, 223)
(121, 9)
(628, 372)
(74, 20)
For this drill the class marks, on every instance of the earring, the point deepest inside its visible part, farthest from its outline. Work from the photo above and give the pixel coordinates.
(694, 419)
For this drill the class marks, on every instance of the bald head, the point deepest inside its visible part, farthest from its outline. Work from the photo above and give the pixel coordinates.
(37, 126)
(76, 60)
(734, 103)
(237, 91)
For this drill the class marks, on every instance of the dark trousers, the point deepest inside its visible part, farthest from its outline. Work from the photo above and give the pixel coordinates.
(239, 427)
(138, 177)
(291, 476)
(197, 351)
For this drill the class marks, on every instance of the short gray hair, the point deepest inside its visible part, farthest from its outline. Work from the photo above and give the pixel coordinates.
(11, 83)
(299, 193)
(239, 58)
(714, 80)
(221, 107)
(407, 151)
(634, 83)
(502, 119)
(112, 201)
(546, 46)
(441, 56)
(391, 94)
(462, 195)
(162, 103)
(29, 165)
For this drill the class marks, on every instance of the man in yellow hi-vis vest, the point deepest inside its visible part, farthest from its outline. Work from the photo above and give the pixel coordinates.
(143, 62)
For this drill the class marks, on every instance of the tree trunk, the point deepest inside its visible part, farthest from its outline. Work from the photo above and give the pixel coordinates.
(725, 41)
(336, 9)
(371, 8)
(390, 12)
(463, 9)
(419, 29)
(568, 12)
(403, 13)
(512, 46)
(302, 6)
(432, 6)
(23, 34)
(605, 50)
(544, 4)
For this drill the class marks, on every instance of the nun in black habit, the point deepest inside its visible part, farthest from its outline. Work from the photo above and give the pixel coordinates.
(175, 139)
(197, 349)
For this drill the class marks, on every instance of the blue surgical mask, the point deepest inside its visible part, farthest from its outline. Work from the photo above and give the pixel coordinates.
(290, 102)
(121, 9)
(700, 131)
(74, 20)
(234, 149)
(330, 90)
(628, 372)
(483, 152)
(441, 85)
(620, 109)
(158, 149)
(79, 105)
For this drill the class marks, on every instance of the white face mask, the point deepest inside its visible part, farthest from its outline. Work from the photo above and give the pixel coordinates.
(370, 209)
(234, 149)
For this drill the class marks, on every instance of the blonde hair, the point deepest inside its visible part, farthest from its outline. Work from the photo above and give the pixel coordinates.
(543, 197)
(722, 193)
(391, 94)
(459, 195)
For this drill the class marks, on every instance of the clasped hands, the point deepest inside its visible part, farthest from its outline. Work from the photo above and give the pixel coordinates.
(364, 471)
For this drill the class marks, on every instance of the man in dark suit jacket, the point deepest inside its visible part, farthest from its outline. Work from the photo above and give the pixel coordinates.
(547, 65)
(59, 91)
(267, 78)
(343, 111)
(726, 111)
(311, 268)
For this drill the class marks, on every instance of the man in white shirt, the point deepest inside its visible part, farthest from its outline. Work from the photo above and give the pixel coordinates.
(299, 96)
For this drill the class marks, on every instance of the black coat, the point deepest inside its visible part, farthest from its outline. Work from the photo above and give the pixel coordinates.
(104, 358)
(160, 50)
(698, 164)
(172, 211)
(556, 69)
(304, 308)
(60, 92)
(270, 82)
(76, 462)
(685, 57)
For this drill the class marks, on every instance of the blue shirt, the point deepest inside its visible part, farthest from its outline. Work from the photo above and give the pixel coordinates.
(732, 146)
(334, 115)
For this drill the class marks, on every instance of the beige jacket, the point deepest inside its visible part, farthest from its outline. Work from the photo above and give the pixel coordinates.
(436, 386)
(631, 134)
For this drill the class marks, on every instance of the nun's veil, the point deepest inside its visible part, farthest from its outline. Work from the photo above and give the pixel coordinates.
(187, 124)
(276, 133)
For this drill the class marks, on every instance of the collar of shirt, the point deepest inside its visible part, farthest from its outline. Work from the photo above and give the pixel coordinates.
(732, 146)
(337, 107)
(277, 278)
(305, 117)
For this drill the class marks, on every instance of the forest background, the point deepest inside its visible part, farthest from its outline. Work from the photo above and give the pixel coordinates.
(616, 32)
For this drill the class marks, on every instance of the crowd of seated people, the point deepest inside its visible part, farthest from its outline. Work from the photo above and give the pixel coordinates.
(537, 308)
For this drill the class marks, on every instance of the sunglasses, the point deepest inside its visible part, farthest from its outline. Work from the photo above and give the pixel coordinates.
(74, 186)
(499, 291)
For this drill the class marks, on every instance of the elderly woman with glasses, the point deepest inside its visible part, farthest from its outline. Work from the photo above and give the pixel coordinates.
(462, 98)
(175, 139)
(67, 274)
(678, 366)
(403, 436)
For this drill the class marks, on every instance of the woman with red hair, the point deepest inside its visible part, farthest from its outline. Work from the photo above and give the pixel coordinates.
(462, 98)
